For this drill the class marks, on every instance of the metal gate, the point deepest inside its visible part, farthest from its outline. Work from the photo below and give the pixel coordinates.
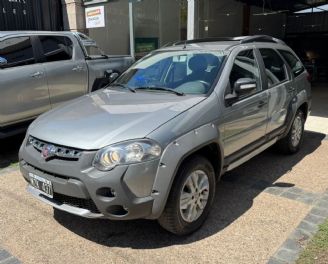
(31, 15)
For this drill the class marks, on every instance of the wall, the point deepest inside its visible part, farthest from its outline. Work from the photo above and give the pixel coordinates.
(159, 19)
(73, 15)
(169, 17)
(271, 24)
(114, 37)
(219, 18)
(30, 15)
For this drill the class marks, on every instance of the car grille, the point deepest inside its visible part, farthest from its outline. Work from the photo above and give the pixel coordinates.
(77, 202)
(56, 150)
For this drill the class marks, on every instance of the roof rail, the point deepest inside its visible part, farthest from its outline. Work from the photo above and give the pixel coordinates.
(261, 38)
(241, 40)
(191, 41)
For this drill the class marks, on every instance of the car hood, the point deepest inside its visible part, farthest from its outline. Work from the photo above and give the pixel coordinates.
(109, 116)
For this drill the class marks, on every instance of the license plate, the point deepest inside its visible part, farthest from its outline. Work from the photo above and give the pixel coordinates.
(42, 185)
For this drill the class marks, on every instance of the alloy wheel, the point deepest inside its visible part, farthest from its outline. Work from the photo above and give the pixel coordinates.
(194, 196)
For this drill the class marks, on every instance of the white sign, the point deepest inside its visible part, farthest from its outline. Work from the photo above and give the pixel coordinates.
(95, 17)
(92, 2)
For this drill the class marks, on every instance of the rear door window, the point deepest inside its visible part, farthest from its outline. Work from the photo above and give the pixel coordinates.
(294, 63)
(275, 67)
(56, 48)
(16, 52)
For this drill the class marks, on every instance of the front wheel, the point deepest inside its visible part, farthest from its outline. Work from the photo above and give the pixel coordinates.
(293, 141)
(191, 197)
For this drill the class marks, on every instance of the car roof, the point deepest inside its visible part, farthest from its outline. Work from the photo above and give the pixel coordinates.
(10, 33)
(225, 43)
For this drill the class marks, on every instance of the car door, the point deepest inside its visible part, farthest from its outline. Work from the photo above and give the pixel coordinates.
(65, 67)
(23, 84)
(245, 120)
(280, 88)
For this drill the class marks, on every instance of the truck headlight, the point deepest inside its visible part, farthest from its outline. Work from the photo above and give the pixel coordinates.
(126, 153)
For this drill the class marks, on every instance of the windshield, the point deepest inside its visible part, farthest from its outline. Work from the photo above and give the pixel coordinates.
(187, 72)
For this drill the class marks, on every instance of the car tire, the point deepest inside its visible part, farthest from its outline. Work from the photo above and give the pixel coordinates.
(187, 209)
(291, 143)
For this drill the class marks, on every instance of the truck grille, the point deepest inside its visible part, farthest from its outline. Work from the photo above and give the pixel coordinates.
(56, 150)
(77, 202)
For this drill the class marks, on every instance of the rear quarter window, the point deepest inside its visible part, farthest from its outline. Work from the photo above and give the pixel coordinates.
(294, 63)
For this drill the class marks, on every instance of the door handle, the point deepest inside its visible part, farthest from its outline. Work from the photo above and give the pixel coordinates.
(261, 104)
(36, 74)
(291, 89)
(78, 68)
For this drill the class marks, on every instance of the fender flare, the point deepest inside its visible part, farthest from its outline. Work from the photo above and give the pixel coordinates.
(173, 155)
(298, 100)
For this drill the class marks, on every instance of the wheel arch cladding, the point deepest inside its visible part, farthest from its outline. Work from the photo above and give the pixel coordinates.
(305, 109)
(200, 140)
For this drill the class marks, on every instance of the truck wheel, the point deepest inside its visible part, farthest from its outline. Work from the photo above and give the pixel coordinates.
(294, 139)
(191, 197)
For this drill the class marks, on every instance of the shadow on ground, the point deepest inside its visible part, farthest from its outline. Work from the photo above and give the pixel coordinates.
(9, 150)
(233, 199)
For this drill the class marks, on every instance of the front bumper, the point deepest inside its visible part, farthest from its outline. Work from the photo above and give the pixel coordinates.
(120, 194)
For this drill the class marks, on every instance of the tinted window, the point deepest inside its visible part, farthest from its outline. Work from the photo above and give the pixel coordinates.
(274, 67)
(245, 66)
(190, 72)
(16, 52)
(293, 62)
(57, 48)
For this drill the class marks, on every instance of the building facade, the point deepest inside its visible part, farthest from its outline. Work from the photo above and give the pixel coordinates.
(158, 22)
(31, 15)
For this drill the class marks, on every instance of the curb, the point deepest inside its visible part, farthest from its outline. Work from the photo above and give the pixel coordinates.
(290, 250)
(7, 258)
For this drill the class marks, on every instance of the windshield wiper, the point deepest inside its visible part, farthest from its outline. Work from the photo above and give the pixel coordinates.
(156, 88)
(121, 85)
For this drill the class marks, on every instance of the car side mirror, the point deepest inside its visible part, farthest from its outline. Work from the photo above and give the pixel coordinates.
(3, 62)
(111, 76)
(244, 86)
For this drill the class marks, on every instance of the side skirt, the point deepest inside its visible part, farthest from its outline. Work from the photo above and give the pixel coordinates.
(257, 151)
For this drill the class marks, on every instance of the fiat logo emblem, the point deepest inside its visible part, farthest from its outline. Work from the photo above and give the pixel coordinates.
(48, 151)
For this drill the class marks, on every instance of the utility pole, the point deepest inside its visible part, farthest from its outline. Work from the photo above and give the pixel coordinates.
(191, 20)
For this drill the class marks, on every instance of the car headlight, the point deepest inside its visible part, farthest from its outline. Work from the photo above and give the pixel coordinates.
(126, 153)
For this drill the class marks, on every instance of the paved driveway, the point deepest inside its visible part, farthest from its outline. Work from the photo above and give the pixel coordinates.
(257, 209)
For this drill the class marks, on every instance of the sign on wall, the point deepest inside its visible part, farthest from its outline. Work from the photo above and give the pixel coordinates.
(92, 2)
(95, 17)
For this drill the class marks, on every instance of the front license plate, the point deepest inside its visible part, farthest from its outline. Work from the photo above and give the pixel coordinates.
(41, 184)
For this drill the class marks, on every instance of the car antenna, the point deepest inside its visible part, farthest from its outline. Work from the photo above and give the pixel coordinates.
(185, 44)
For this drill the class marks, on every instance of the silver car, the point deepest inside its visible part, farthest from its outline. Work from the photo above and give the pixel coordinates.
(156, 141)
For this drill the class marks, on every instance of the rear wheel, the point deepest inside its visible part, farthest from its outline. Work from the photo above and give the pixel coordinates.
(294, 139)
(191, 197)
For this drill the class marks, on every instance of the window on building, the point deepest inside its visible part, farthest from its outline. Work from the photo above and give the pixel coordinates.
(294, 63)
(275, 68)
(56, 48)
(16, 52)
(245, 66)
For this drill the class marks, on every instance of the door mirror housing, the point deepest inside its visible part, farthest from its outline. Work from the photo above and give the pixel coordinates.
(3, 62)
(111, 76)
(244, 86)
